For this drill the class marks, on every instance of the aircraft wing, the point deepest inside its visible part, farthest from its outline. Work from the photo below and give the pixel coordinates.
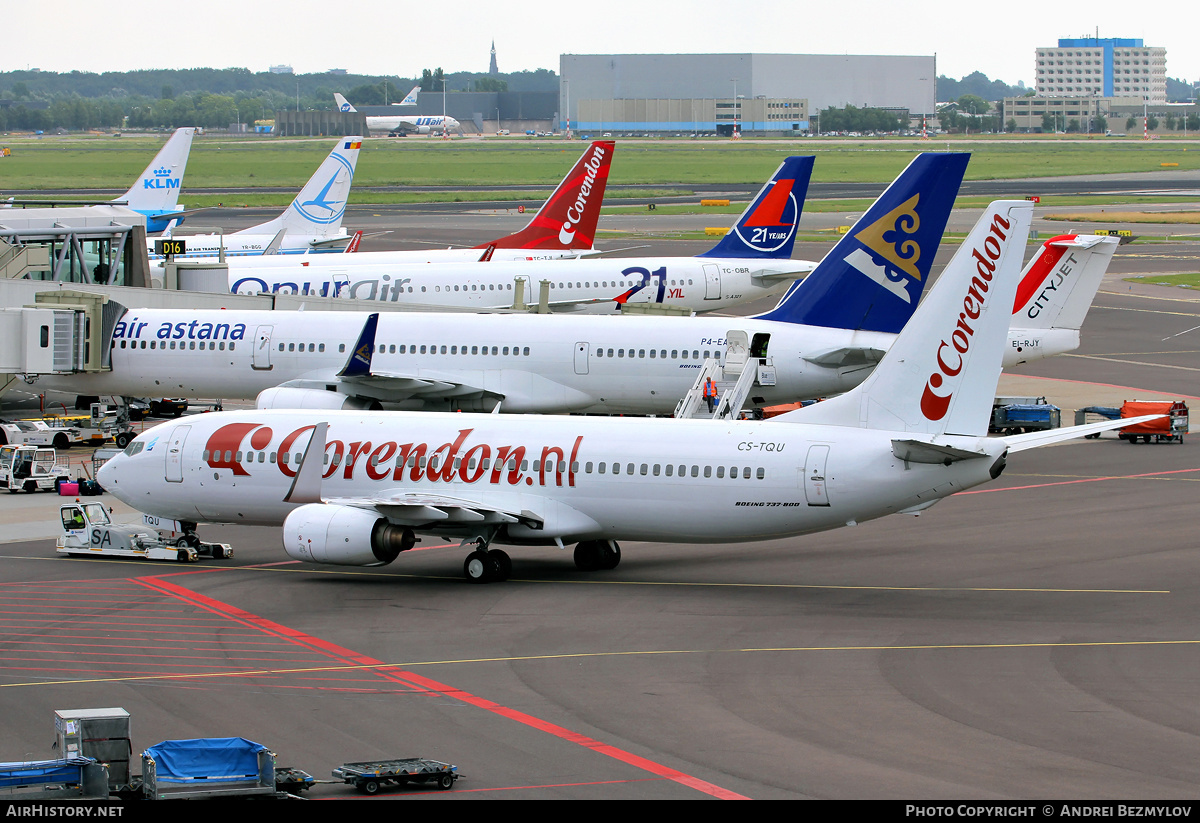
(395, 388)
(1021, 442)
(440, 513)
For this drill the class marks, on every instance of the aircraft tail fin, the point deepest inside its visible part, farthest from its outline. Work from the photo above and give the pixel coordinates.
(1060, 282)
(873, 278)
(157, 188)
(342, 103)
(940, 374)
(567, 220)
(320, 205)
(411, 98)
(767, 228)
(359, 363)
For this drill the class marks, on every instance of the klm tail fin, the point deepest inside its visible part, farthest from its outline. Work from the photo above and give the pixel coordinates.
(767, 228)
(1060, 282)
(411, 99)
(568, 218)
(156, 191)
(318, 208)
(939, 376)
(873, 278)
(342, 103)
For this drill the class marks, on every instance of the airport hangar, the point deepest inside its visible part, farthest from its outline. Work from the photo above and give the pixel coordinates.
(763, 92)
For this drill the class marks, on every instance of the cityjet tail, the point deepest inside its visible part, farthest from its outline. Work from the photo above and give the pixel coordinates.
(156, 192)
(357, 487)
(751, 262)
(399, 125)
(564, 227)
(312, 223)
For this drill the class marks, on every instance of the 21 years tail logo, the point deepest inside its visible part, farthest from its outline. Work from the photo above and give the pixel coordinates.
(773, 220)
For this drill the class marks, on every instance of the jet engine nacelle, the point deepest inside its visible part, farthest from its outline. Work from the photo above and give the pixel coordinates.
(343, 536)
(284, 397)
(423, 129)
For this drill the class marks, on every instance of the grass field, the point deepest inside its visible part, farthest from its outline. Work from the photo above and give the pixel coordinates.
(1186, 281)
(75, 162)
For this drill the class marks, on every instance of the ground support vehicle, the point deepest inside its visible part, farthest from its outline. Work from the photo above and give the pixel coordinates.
(30, 469)
(88, 531)
(1017, 418)
(109, 421)
(293, 781)
(369, 777)
(1094, 414)
(182, 533)
(209, 768)
(72, 778)
(1172, 427)
(39, 433)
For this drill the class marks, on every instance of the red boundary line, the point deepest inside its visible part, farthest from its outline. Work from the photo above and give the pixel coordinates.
(434, 687)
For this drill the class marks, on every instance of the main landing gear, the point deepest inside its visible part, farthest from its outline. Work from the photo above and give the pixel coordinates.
(484, 565)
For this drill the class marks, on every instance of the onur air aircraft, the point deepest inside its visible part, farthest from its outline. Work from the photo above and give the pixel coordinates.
(564, 226)
(357, 487)
(750, 262)
(312, 223)
(403, 125)
(156, 192)
(824, 337)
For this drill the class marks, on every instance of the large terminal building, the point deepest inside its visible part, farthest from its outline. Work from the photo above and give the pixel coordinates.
(760, 92)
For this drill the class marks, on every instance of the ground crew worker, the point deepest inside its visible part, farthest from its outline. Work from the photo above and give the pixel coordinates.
(710, 393)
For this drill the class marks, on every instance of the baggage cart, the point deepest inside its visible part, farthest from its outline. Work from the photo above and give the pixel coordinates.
(370, 776)
(1170, 428)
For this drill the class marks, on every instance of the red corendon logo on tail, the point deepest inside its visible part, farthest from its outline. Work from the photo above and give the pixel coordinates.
(575, 212)
(398, 462)
(951, 355)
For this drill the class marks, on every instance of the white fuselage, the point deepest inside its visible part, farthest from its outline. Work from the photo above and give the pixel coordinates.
(592, 285)
(544, 363)
(582, 477)
(236, 245)
(411, 123)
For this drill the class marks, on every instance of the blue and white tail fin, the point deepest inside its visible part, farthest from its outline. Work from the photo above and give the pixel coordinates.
(939, 376)
(1058, 285)
(156, 191)
(359, 362)
(767, 228)
(411, 98)
(318, 209)
(342, 103)
(873, 278)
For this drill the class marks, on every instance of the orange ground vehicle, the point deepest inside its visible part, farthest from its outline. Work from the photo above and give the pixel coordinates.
(1172, 427)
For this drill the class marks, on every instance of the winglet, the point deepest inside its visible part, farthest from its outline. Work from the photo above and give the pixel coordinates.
(352, 246)
(567, 220)
(486, 257)
(359, 364)
(767, 228)
(306, 485)
(873, 278)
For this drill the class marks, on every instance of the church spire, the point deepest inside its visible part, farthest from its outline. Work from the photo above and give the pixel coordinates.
(492, 68)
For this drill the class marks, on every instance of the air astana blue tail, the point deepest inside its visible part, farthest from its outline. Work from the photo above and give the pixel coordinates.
(767, 228)
(318, 209)
(873, 278)
(156, 192)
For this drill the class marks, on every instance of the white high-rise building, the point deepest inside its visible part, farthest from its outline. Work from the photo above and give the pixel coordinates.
(1109, 67)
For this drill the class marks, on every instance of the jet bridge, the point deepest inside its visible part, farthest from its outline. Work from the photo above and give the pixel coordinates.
(65, 332)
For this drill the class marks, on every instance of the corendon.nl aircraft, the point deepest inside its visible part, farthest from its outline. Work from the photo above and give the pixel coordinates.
(565, 226)
(312, 223)
(823, 338)
(355, 488)
(752, 261)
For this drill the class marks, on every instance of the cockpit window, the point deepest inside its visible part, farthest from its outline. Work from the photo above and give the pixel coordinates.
(134, 447)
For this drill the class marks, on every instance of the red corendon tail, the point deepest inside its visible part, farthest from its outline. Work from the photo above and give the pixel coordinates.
(950, 363)
(402, 462)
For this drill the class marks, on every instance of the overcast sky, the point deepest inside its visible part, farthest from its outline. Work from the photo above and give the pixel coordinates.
(385, 37)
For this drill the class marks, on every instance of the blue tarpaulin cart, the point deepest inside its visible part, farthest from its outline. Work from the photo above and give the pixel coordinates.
(208, 767)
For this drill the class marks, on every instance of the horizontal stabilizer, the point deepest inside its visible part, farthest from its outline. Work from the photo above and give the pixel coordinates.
(1021, 442)
(800, 269)
(923, 451)
(846, 356)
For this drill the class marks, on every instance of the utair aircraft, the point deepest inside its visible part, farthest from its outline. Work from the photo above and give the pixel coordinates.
(402, 125)
(750, 262)
(312, 223)
(824, 337)
(565, 226)
(357, 487)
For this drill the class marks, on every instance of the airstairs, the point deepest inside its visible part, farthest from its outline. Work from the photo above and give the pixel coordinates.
(734, 379)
